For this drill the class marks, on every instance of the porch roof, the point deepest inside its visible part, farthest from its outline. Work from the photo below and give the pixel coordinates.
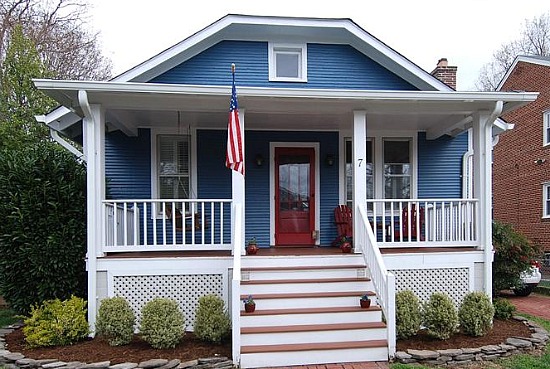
(130, 105)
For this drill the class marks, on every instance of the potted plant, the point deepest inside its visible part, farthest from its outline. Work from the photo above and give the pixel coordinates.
(252, 247)
(249, 304)
(365, 301)
(346, 244)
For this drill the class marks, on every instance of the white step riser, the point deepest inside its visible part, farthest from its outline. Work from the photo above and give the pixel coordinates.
(313, 357)
(268, 304)
(251, 320)
(258, 261)
(359, 286)
(255, 275)
(313, 337)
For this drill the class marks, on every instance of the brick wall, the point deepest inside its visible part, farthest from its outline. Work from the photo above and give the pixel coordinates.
(517, 178)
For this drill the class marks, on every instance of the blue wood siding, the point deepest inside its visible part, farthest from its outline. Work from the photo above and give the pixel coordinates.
(128, 165)
(440, 166)
(257, 181)
(329, 66)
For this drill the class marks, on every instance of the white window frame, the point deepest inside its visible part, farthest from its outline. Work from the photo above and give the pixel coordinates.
(154, 159)
(546, 128)
(300, 49)
(545, 199)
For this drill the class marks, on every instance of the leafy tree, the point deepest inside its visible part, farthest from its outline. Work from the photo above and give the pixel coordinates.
(43, 228)
(534, 40)
(20, 101)
(58, 29)
(513, 255)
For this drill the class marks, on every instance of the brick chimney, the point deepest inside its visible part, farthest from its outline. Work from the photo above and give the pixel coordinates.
(444, 73)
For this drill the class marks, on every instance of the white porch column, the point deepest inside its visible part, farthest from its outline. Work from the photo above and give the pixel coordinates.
(237, 187)
(482, 186)
(94, 149)
(359, 172)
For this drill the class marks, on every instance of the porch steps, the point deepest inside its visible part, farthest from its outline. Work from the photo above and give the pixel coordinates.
(307, 312)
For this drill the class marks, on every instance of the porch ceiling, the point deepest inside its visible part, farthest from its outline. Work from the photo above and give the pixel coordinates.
(132, 105)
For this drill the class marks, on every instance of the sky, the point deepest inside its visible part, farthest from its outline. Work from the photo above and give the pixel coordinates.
(466, 32)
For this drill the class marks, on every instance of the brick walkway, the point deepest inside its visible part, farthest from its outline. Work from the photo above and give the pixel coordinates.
(369, 365)
(534, 304)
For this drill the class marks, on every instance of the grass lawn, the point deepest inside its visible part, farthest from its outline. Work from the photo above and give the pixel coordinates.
(544, 283)
(7, 317)
(515, 362)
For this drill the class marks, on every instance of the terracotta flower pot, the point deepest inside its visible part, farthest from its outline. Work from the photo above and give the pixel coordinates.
(251, 249)
(346, 247)
(249, 308)
(365, 304)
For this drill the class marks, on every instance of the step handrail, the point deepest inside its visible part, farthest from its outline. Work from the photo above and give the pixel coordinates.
(383, 280)
(236, 284)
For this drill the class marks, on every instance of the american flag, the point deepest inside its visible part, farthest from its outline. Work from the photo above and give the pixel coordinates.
(234, 155)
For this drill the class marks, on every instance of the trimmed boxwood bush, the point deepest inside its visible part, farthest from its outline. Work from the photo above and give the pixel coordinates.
(476, 314)
(56, 323)
(115, 321)
(162, 323)
(43, 229)
(504, 309)
(212, 322)
(440, 316)
(408, 314)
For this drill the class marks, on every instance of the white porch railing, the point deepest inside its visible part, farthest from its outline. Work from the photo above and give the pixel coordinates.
(154, 225)
(236, 286)
(384, 281)
(425, 222)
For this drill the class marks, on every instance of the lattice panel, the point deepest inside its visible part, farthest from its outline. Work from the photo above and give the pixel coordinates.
(424, 282)
(185, 289)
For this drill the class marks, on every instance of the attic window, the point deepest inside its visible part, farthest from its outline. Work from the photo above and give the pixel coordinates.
(288, 62)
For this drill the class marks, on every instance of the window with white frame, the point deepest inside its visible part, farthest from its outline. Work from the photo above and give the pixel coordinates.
(546, 127)
(546, 200)
(173, 166)
(288, 62)
(349, 171)
(397, 169)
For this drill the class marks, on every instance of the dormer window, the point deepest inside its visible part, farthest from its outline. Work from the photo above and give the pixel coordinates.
(288, 62)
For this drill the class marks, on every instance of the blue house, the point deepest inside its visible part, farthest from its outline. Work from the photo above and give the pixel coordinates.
(330, 116)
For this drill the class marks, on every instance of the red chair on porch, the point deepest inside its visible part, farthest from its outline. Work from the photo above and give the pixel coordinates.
(417, 225)
(344, 223)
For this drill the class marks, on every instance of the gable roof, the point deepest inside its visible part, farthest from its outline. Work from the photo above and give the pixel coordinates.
(532, 59)
(284, 29)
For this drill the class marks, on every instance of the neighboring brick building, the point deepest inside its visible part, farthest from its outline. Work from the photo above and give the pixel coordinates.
(521, 160)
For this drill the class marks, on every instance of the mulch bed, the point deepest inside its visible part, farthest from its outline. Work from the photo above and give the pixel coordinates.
(97, 349)
(502, 329)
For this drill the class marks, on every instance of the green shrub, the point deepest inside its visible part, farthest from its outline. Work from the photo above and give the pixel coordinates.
(115, 321)
(513, 255)
(476, 314)
(43, 231)
(57, 323)
(212, 322)
(440, 316)
(162, 323)
(504, 309)
(407, 313)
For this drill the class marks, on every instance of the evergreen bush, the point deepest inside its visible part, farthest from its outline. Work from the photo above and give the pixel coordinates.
(440, 316)
(43, 228)
(162, 323)
(408, 314)
(56, 323)
(212, 322)
(476, 314)
(115, 321)
(504, 309)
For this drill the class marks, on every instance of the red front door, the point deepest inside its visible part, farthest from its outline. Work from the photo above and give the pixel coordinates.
(294, 196)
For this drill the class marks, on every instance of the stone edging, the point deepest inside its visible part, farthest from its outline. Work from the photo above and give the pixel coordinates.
(16, 360)
(453, 357)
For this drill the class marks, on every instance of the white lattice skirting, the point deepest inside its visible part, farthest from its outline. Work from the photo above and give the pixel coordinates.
(423, 282)
(185, 289)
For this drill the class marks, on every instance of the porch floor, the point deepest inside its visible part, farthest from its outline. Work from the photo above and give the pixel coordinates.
(278, 251)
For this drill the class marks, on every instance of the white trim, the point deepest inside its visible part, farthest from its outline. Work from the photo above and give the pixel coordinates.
(299, 49)
(545, 199)
(316, 147)
(546, 128)
(525, 59)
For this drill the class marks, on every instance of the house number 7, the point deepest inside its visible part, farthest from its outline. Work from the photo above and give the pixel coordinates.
(360, 161)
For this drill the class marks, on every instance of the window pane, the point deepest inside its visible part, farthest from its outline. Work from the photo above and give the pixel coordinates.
(397, 187)
(173, 166)
(397, 169)
(173, 187)
(369, 167)
(547, 200)
(396, 152)
(287, 64)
